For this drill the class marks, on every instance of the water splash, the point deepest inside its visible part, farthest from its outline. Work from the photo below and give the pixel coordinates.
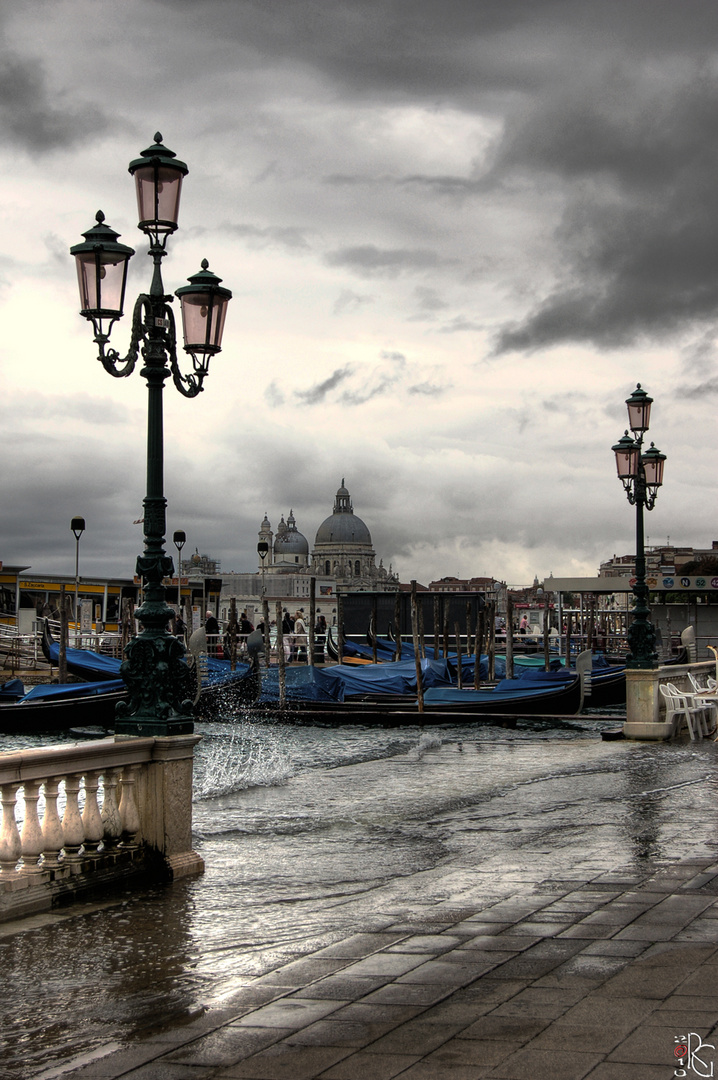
(428, 742)
(245, 755)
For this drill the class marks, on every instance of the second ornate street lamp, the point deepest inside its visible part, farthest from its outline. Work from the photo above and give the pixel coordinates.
(641, 474)
(154, 669)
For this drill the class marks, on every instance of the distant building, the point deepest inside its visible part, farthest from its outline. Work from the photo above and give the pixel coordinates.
(198, 566)
(662, 559)
(454, 584)
(341, 559)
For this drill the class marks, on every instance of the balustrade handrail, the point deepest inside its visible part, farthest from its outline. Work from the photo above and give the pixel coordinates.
(16, 766)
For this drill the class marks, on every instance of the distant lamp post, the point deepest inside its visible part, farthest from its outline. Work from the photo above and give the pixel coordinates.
(77, 528)
(262, 551)
(179, 540)
(641, 474)
(154, 670)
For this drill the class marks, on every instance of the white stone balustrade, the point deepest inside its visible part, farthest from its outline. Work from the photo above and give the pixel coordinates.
(136, 818)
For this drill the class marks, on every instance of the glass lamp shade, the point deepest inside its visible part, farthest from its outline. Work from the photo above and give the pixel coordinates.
(653, 461)
(628, 457)
(158, 181)
(204, 309)
(179, 539)
(639, 410)
(77, 526)
(101, 271)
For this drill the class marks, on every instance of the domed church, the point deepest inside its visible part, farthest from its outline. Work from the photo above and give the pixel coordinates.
(342, 550)
(342, 547)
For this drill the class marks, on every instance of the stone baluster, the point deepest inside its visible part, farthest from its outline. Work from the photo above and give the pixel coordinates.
(111, 822)
(10, 839)
(52, 836)
(91, 820)
(10, 843)
(72, 829)
(32, 843)
(129, 813)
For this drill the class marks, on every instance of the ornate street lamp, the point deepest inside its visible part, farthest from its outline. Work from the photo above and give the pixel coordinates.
(157, 677)
(77, 528)
(641, 475)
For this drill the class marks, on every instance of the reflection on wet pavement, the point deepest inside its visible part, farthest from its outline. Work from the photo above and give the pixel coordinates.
(347, 828)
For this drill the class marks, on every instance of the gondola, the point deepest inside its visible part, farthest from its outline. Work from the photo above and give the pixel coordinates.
(360, 695)
(58, 707)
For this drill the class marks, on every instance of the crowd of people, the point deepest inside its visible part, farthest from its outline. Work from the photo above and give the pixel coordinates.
(295, 634)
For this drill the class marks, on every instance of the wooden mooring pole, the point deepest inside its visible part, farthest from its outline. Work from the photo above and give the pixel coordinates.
(312, 620)
(417, 657)
(509, 637)
(280, 656)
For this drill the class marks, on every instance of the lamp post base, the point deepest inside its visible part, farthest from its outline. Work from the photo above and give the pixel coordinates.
(160, 686)
(151, 726)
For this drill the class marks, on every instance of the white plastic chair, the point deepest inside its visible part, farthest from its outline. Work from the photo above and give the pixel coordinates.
(678, 705)
(700, 698)
(697, 688)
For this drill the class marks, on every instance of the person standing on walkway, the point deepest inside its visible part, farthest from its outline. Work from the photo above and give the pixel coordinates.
(211, 629)
(300, 637)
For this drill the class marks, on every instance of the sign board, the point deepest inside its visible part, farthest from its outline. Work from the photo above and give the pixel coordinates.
(86, 616)
(678, 583)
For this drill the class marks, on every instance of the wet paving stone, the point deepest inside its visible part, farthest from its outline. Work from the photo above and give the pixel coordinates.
(294, 1012)
(530, 1064)
(287, 1061)
(227, 1046)
(365, 1065)
(424, 943)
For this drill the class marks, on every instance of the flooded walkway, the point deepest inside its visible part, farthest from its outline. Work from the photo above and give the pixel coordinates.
(606, 978)
(313, 836)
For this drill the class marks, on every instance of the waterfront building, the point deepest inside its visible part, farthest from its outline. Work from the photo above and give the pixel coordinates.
(28, 598)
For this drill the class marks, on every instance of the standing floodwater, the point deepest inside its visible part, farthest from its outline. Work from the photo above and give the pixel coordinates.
(310, 833)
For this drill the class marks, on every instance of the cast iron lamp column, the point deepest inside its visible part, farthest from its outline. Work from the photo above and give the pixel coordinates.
(154, 669)
(641, 475)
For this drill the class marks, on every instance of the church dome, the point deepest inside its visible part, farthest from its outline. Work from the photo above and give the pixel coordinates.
(343, 527)
(289, 541)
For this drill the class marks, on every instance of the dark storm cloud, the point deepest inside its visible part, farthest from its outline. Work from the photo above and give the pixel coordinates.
(636, 159)
(54, 484)
(367, 260)
(612, 108)
(428, 299)
(348, 300)
(428, 389)
(35, 118)
(699, 391)
(287, 236)
(317, 393)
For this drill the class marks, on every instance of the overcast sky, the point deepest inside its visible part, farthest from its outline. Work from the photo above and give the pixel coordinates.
(458, 233)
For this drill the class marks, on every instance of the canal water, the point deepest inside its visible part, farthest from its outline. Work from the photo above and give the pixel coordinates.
(312, 832)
